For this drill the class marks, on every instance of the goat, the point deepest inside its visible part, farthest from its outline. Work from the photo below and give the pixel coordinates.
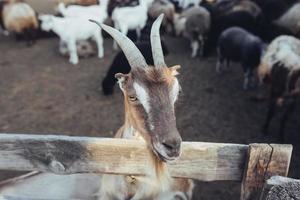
(150, 93)
(194, 23)
(163, 6)
(20, 19)
(280, 68)
(121, 65)
(71, 30)
(238, 44)
(125, 21)
(97, 12)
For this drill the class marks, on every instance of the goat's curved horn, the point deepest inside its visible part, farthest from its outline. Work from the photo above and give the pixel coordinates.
(157, 52)
(132, 53)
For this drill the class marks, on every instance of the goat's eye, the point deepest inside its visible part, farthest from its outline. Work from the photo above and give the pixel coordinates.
(133, 98)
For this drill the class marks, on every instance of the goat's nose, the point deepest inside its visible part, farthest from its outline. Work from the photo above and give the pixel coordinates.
(172, 145)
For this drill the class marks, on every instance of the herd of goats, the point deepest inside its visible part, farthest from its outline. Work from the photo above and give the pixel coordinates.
(260, 34)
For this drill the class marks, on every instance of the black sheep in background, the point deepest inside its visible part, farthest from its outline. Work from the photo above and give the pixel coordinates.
(237, 44)
(121, 65)
(229, 13)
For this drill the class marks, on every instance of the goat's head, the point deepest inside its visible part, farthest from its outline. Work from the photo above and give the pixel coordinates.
(150, 94)
(46, 22)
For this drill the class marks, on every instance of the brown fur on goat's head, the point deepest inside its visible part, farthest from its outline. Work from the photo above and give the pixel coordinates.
(150, 94)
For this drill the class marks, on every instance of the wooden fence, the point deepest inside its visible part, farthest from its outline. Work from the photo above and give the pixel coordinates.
(250, 164)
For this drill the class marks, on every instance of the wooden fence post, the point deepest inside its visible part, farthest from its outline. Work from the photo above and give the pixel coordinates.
(264, 161)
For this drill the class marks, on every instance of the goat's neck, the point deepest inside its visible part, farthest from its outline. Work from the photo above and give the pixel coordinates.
(158, 169)
(59, 27)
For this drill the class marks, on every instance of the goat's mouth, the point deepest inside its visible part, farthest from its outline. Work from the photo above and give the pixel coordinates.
(165, 155)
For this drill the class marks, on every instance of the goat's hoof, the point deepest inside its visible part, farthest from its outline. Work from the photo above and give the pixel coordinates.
(193, 55)
(74, 62)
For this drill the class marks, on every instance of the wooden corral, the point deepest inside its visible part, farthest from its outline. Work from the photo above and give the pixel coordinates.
(250, 164)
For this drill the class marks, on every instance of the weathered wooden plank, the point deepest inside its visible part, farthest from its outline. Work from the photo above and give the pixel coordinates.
(280, 160)
(264, 161)
(259, 156)
(66, 155)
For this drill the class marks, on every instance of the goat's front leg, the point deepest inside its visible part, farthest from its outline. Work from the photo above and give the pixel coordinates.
(219, 65)
(73, 52)
(201, 42)
(195, 47)
(247, 79)
(99, 40)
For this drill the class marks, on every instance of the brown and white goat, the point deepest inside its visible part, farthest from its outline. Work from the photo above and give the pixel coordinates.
(20, 19)
(150, 93)
(280, 69)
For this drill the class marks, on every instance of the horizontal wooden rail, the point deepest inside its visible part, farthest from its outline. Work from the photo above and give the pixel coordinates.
(67, 155)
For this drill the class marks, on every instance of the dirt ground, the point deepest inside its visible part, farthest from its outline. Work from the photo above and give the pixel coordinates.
(42, 93)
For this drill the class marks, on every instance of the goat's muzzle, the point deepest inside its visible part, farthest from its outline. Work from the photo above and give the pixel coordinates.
(169, 147)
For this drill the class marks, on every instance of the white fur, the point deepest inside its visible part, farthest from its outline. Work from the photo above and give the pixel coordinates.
(284, 49)
(131, 18)
(70, 30)
(96, 12)
(142, 95)
(175, 91)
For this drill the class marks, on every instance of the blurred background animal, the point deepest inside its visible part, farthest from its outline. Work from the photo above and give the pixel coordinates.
(20, 19)
(237, 44)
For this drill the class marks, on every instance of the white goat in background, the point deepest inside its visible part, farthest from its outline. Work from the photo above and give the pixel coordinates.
(73, 29)
(96, 12)
(131, 18)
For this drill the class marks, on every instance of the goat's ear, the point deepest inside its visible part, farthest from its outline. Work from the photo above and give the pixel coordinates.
(174, 69)
(122, 79)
